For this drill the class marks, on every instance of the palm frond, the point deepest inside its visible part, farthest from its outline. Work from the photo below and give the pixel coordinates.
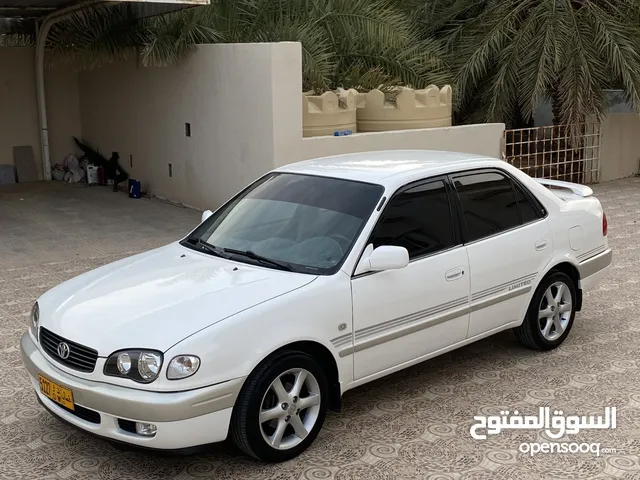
(539, 60)
(99, 35)
(582, 72)
(508, 56)
(170, 38)
(318, 59)
(17, 40)
(617, 41)
(344, 42)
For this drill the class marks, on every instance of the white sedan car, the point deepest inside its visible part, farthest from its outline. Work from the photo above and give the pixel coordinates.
(317, 278)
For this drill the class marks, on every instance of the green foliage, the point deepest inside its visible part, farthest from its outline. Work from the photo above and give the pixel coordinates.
(505, 56)
(509, 55)
(168, 39)
(89, 38)
(349, 43)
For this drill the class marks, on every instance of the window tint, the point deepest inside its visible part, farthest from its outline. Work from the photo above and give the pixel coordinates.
(528, 212)
(308, 222)
(488, 203)
(418, 219)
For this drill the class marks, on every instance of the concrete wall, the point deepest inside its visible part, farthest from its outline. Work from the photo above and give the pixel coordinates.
(478, 139)
(18, 106)
(620, 146)
(223, 91)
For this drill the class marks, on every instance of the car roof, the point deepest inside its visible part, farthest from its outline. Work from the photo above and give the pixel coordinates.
(390, 167)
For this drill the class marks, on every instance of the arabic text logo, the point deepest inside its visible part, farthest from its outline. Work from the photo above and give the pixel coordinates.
(556, 425)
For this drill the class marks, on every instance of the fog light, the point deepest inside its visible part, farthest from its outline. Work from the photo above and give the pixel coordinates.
(146, 429)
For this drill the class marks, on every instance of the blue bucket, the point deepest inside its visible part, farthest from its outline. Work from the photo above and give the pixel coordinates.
(135, 188)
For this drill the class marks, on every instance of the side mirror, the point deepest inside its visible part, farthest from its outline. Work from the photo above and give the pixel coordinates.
(387, 257)
(206, 214)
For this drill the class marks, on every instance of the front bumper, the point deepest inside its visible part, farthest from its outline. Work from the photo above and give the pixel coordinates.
(183, 419)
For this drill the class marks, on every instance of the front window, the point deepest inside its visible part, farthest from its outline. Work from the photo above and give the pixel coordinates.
(298, 222)
(418, 219)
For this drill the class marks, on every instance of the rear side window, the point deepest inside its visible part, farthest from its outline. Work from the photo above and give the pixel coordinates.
(488, 202)
(418, 219)
(528, 211)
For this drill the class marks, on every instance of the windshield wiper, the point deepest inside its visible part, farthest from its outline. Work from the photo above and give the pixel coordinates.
(260, 258)
(207, 247)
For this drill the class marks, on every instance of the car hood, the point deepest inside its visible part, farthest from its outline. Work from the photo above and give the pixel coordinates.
(158, 298)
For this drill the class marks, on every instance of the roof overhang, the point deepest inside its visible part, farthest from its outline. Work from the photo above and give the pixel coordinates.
(34, 9)
(16, 16)
(20, 16)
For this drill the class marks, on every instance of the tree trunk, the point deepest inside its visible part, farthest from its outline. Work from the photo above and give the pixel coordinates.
(555, 107)
(520, 121)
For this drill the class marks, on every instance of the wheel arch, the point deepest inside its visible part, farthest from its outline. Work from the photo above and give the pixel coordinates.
(320, 354)
(572, 272)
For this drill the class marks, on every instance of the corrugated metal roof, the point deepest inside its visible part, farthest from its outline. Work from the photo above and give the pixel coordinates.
(41, 8)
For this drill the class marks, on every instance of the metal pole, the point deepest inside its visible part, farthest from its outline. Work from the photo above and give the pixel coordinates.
(49, 21)
(42, 33)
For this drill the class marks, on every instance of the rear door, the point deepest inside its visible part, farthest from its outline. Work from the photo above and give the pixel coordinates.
(509, 245)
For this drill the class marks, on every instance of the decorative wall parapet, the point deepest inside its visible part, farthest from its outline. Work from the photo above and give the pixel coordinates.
(328, 113)
(409, 109)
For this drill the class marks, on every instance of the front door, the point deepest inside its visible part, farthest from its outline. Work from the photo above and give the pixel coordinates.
(509, 244)
(402, 315)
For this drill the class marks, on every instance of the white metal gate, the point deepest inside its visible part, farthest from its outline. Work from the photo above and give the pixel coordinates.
(552, 152)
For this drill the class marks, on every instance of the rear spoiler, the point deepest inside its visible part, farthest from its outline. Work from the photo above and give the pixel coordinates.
(576, 188)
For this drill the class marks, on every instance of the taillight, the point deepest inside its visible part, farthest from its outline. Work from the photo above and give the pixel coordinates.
(604, 224)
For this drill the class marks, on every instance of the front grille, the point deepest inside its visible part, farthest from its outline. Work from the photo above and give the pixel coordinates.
(80, 357)
(85, 414)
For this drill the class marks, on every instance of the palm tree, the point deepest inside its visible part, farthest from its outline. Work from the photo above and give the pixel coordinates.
(349, 43)
(510, 55)
(105, 34)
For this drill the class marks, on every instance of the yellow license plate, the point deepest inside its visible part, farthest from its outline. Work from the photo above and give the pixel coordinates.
(57, 393)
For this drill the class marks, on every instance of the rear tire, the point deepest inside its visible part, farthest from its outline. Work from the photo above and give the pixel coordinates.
(550, 314)
(281, 407)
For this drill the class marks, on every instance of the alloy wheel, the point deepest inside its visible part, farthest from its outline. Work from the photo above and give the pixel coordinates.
(290, 409)
(555, 311)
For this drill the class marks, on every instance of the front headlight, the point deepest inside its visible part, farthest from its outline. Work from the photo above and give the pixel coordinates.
(149, 365)
(35, 319)
(182, 366)
(142, 366)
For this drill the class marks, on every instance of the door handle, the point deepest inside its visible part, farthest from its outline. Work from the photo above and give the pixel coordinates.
(454, 274)
(541, 244)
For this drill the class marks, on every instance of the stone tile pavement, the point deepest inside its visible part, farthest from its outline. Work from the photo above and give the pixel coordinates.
(411, 425)
(42, 223)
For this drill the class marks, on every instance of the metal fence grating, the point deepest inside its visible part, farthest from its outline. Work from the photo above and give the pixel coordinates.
(552, 152)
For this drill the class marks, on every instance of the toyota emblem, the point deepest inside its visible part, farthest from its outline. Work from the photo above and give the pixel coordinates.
(63, 350)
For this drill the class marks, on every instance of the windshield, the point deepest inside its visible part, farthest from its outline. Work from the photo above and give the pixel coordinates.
(307, 223)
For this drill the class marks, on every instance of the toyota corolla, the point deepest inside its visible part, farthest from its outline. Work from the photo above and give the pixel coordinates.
(317, 278)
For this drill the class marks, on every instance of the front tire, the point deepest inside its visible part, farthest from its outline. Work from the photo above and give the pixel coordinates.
(281, 407)
(550, 314)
